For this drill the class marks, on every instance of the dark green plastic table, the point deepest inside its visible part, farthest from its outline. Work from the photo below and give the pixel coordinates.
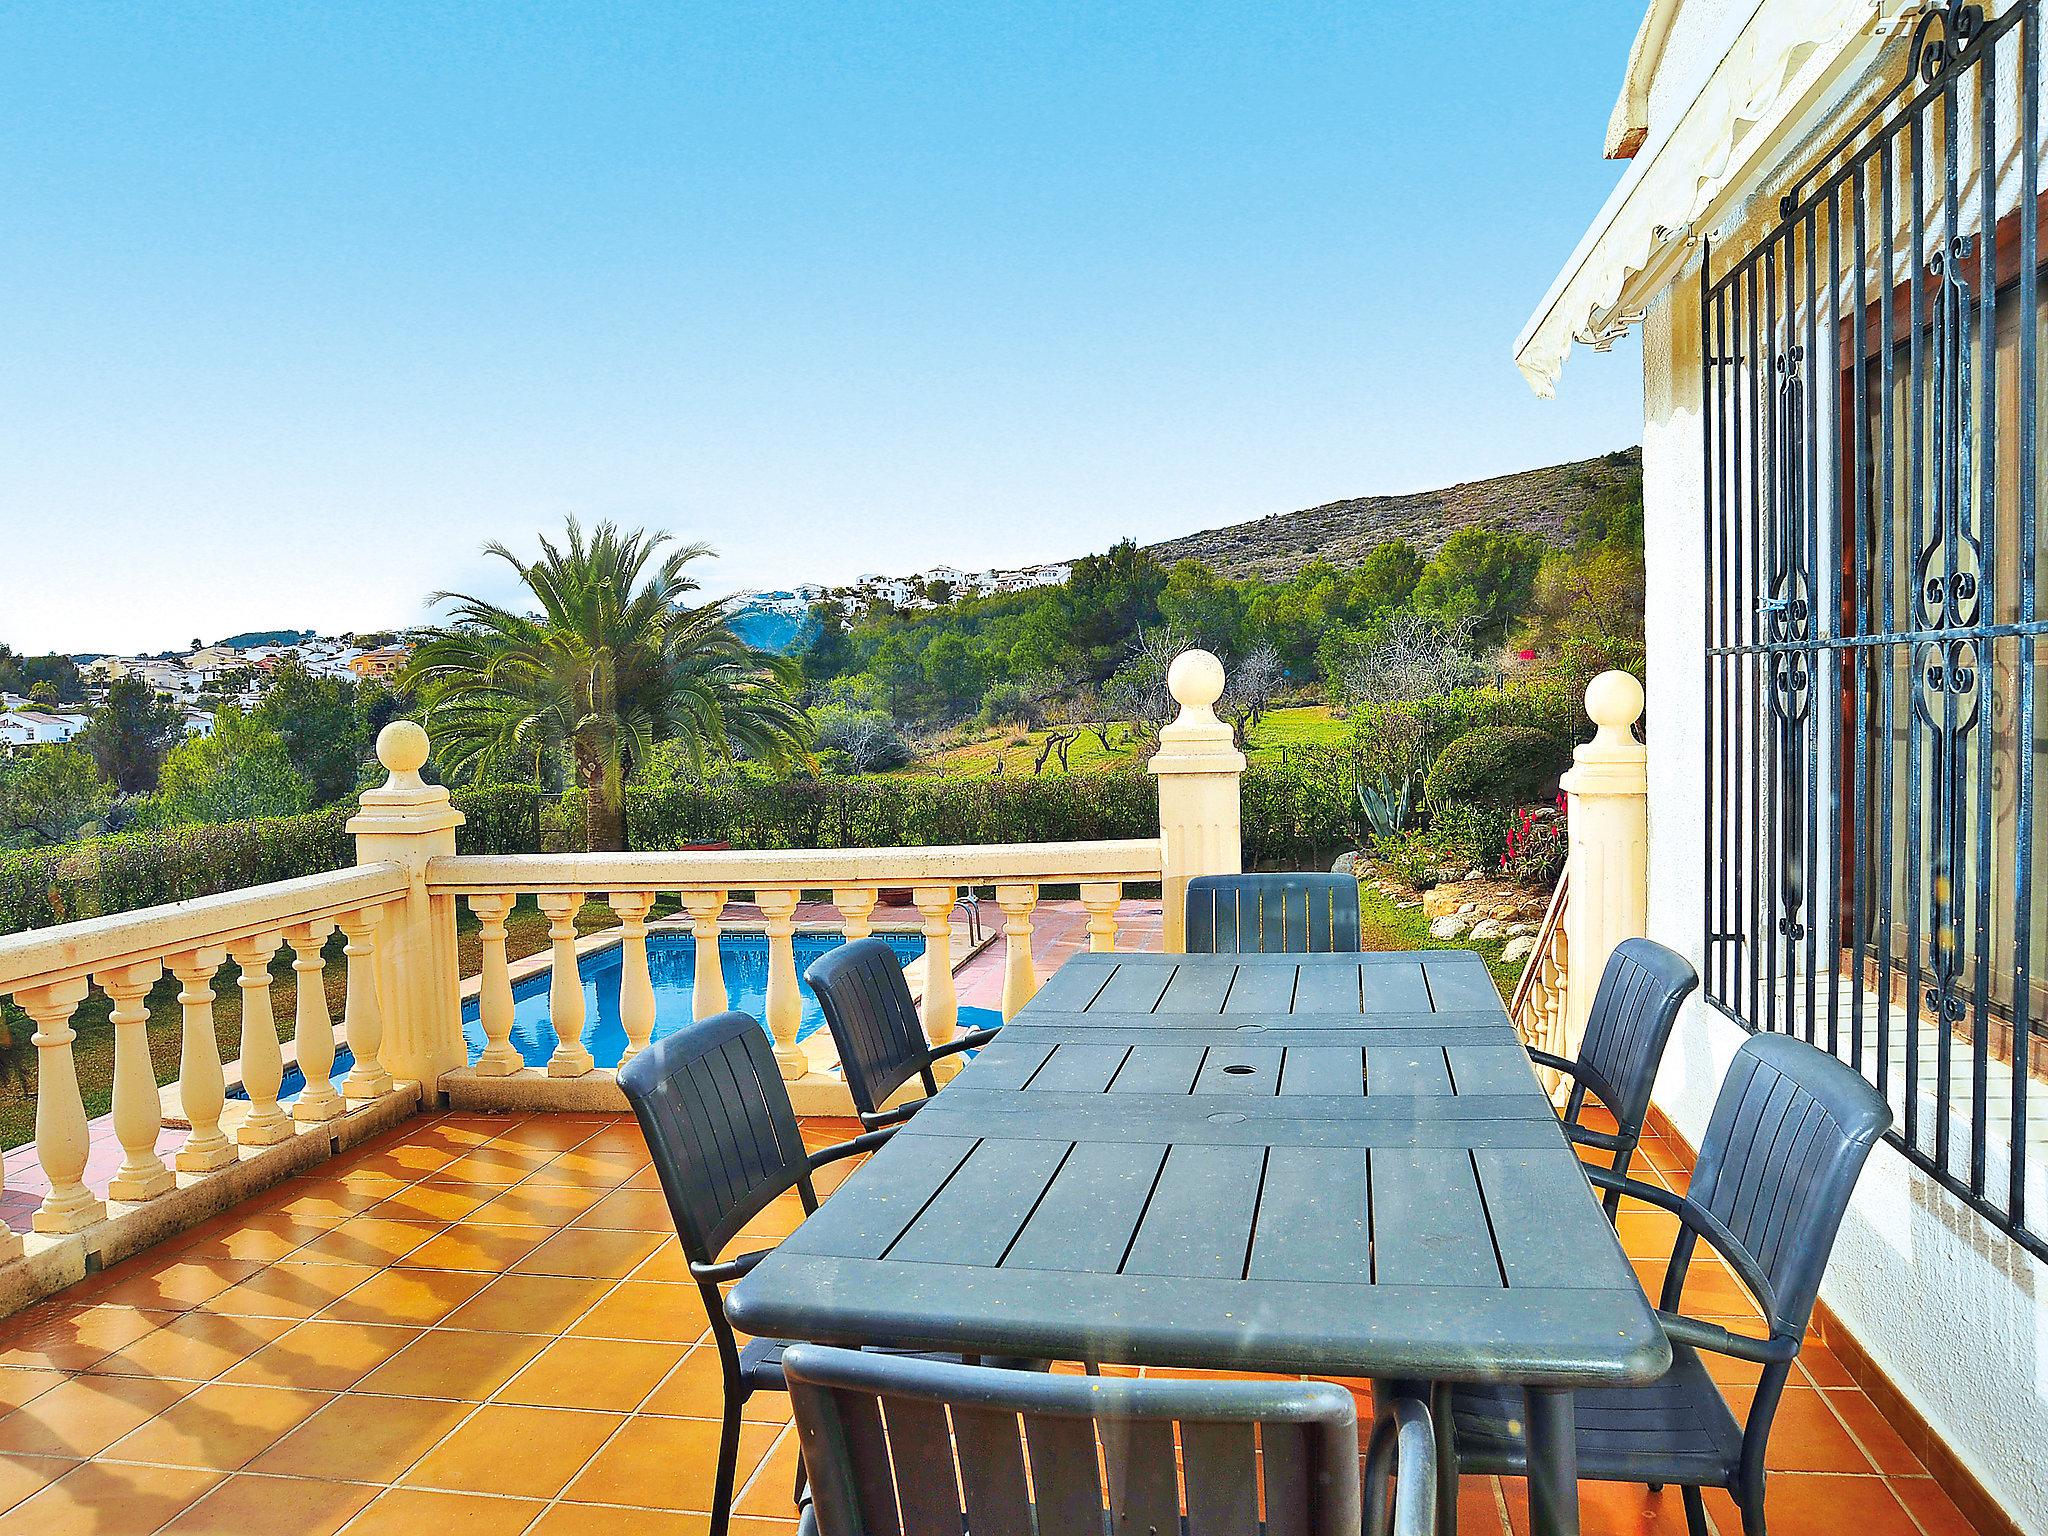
(1337, 1165)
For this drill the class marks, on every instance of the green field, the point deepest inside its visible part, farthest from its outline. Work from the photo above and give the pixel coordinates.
(1017, 750)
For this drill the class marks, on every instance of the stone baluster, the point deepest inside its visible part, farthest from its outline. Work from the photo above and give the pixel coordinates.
(1100, 900)
(941, 1003)
(1607, 844)
(62, 1140)
(262, 1062)
(785, 1006)
(201, 1089)
(501, 1057)
(363, 1018)
(313, 1029)
(856, 906)
(707, 995)
(636, 986)
(1020, 976)
(138, 1112)
(572, 1057)
(1198, 767)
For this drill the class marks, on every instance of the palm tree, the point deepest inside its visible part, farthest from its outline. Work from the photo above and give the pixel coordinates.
(613, 661)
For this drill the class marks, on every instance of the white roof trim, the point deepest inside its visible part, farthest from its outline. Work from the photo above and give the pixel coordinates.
(1784, 65)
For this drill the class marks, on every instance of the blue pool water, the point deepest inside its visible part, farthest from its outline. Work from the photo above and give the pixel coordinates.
(672, 962)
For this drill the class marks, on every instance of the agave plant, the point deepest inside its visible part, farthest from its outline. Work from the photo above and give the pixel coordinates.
(1385, 804)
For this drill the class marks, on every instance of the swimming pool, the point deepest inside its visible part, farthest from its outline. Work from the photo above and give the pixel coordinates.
(672, 963)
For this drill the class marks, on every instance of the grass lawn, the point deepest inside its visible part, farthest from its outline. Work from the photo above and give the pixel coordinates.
(1305, 725)
(1383, 925)
(1017, 749)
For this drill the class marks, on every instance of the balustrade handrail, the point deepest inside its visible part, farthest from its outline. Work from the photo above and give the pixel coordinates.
(67, 951)
(1138, 858)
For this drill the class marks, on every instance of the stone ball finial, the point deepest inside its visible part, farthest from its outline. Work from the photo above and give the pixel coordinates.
(1614, 701)
(402, 748)
(1195, 680)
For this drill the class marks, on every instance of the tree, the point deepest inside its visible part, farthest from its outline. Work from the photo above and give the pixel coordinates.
(1481, 574)
(1250, 686)
(831, 650)
(130, 734)
(322, 725)
(20, 674)
(613, 661)
(51, 794)
(1387, 576)
(1416, 656)
(1200, 603)
(860, 741)
(239, 773)
(1106, 600)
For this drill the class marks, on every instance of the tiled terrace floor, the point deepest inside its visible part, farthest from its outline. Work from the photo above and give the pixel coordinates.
(481, 1324)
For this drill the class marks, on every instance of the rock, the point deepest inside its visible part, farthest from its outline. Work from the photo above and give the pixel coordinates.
(1475, 874)
(1516, 930)
(1468, 909)
(1519, 948)
(1443, 899)
(1346, 863)
(1488, 928)
(1449, 926)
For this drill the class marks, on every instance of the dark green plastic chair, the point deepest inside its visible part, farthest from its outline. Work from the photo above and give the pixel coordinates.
(1272, 914)
(882, 1045)
(904, 1447)
(1790, 1133)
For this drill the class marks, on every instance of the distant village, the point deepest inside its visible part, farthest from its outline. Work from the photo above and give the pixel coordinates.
(928, 589)
(199, 682)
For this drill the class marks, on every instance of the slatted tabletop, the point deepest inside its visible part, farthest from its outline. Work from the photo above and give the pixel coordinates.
(1340, 1165)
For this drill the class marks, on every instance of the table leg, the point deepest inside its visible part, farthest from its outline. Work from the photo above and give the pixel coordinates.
(1553, 1463)
(1440, 1395)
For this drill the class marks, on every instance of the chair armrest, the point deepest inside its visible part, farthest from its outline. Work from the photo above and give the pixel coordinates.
(730, 1269)
(1701, 1223)
(865, 1142)
(1586, 1136)
(1703, 1335)
(1649, 1194)
(1555, 1063)
(973, 1040)
(892, 1117)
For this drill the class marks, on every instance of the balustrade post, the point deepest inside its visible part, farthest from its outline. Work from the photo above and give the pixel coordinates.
(202, 1091)
(1198, 767)
(313, 1027)
(62, 1140)
(572, 1057)
(785, 1007)
(636, 986)
(941, 1003)
(410, 822)
(262, 1062)
(707, 993)
(363, 1019)
(1607, 844)
(1020, 975)
(1100, 900)
(501, 1057)
(138, 1112)
(856, 910)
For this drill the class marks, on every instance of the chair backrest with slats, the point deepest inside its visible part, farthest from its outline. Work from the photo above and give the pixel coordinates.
(1637, 1003)
(719, 1123)
(1272, 914)
(1790, 1133)
(1040, 1455)
(867, 1007)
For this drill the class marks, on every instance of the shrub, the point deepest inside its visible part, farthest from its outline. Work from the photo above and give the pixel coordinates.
(1473, 836)
(859, 740)
(1497, 765)
(1011, 704)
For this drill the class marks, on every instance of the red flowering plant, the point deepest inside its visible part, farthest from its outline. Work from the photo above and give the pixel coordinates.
(1535, 849)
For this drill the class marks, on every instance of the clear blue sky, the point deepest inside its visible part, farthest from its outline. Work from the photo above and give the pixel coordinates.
(304, 302)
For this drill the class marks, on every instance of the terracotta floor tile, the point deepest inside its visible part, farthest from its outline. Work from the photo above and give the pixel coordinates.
(636, 1210)
(771, 1491)
(405, 1297)
(326, 1202)
(290, 1506)
(429, 1201)
(221, 1426)
(553, 1134)
(1646, 1234)
(196, 1346)
(493, 1165)
(665, 1464)
(666, 1264)
(263, 1239)
(411, 1511)
(1606, 1509)
(453, 1363)
(504, 1448)
(175, 1285)
(87, 1414)
(371, 1439)
(290, 1289)
(366, 1240)
(407, 1161)
(68, 1338)
(635, 1309)
(1874, 1432)
(1805, 1435)
(528, 1303)
(614, 1374)
(21, 1384)
(601, 1520)
(1935, 1510)
(105, 1498)
(322, 1356)
(1817, 1502)
(537, 1205)
(22, 1476)
(695, 1389)
(469, 1245)
(1822, 1367)
(590, 1252)
(584, 1168)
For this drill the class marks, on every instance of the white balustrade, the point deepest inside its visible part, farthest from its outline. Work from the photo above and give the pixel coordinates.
(707, 994)
(202, 1092)
(572, 1057)
(856, 906)
(62, 1140)
(363, 1019)
(500, 1056)
(941, 1003)
(636, 986)
(1020, 974)
(266, 1124)
(138, 1113)
(1100, 900)
(785, 1005)
(313, 1026)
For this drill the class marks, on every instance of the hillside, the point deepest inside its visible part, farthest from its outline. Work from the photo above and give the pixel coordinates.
(1540, 501)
